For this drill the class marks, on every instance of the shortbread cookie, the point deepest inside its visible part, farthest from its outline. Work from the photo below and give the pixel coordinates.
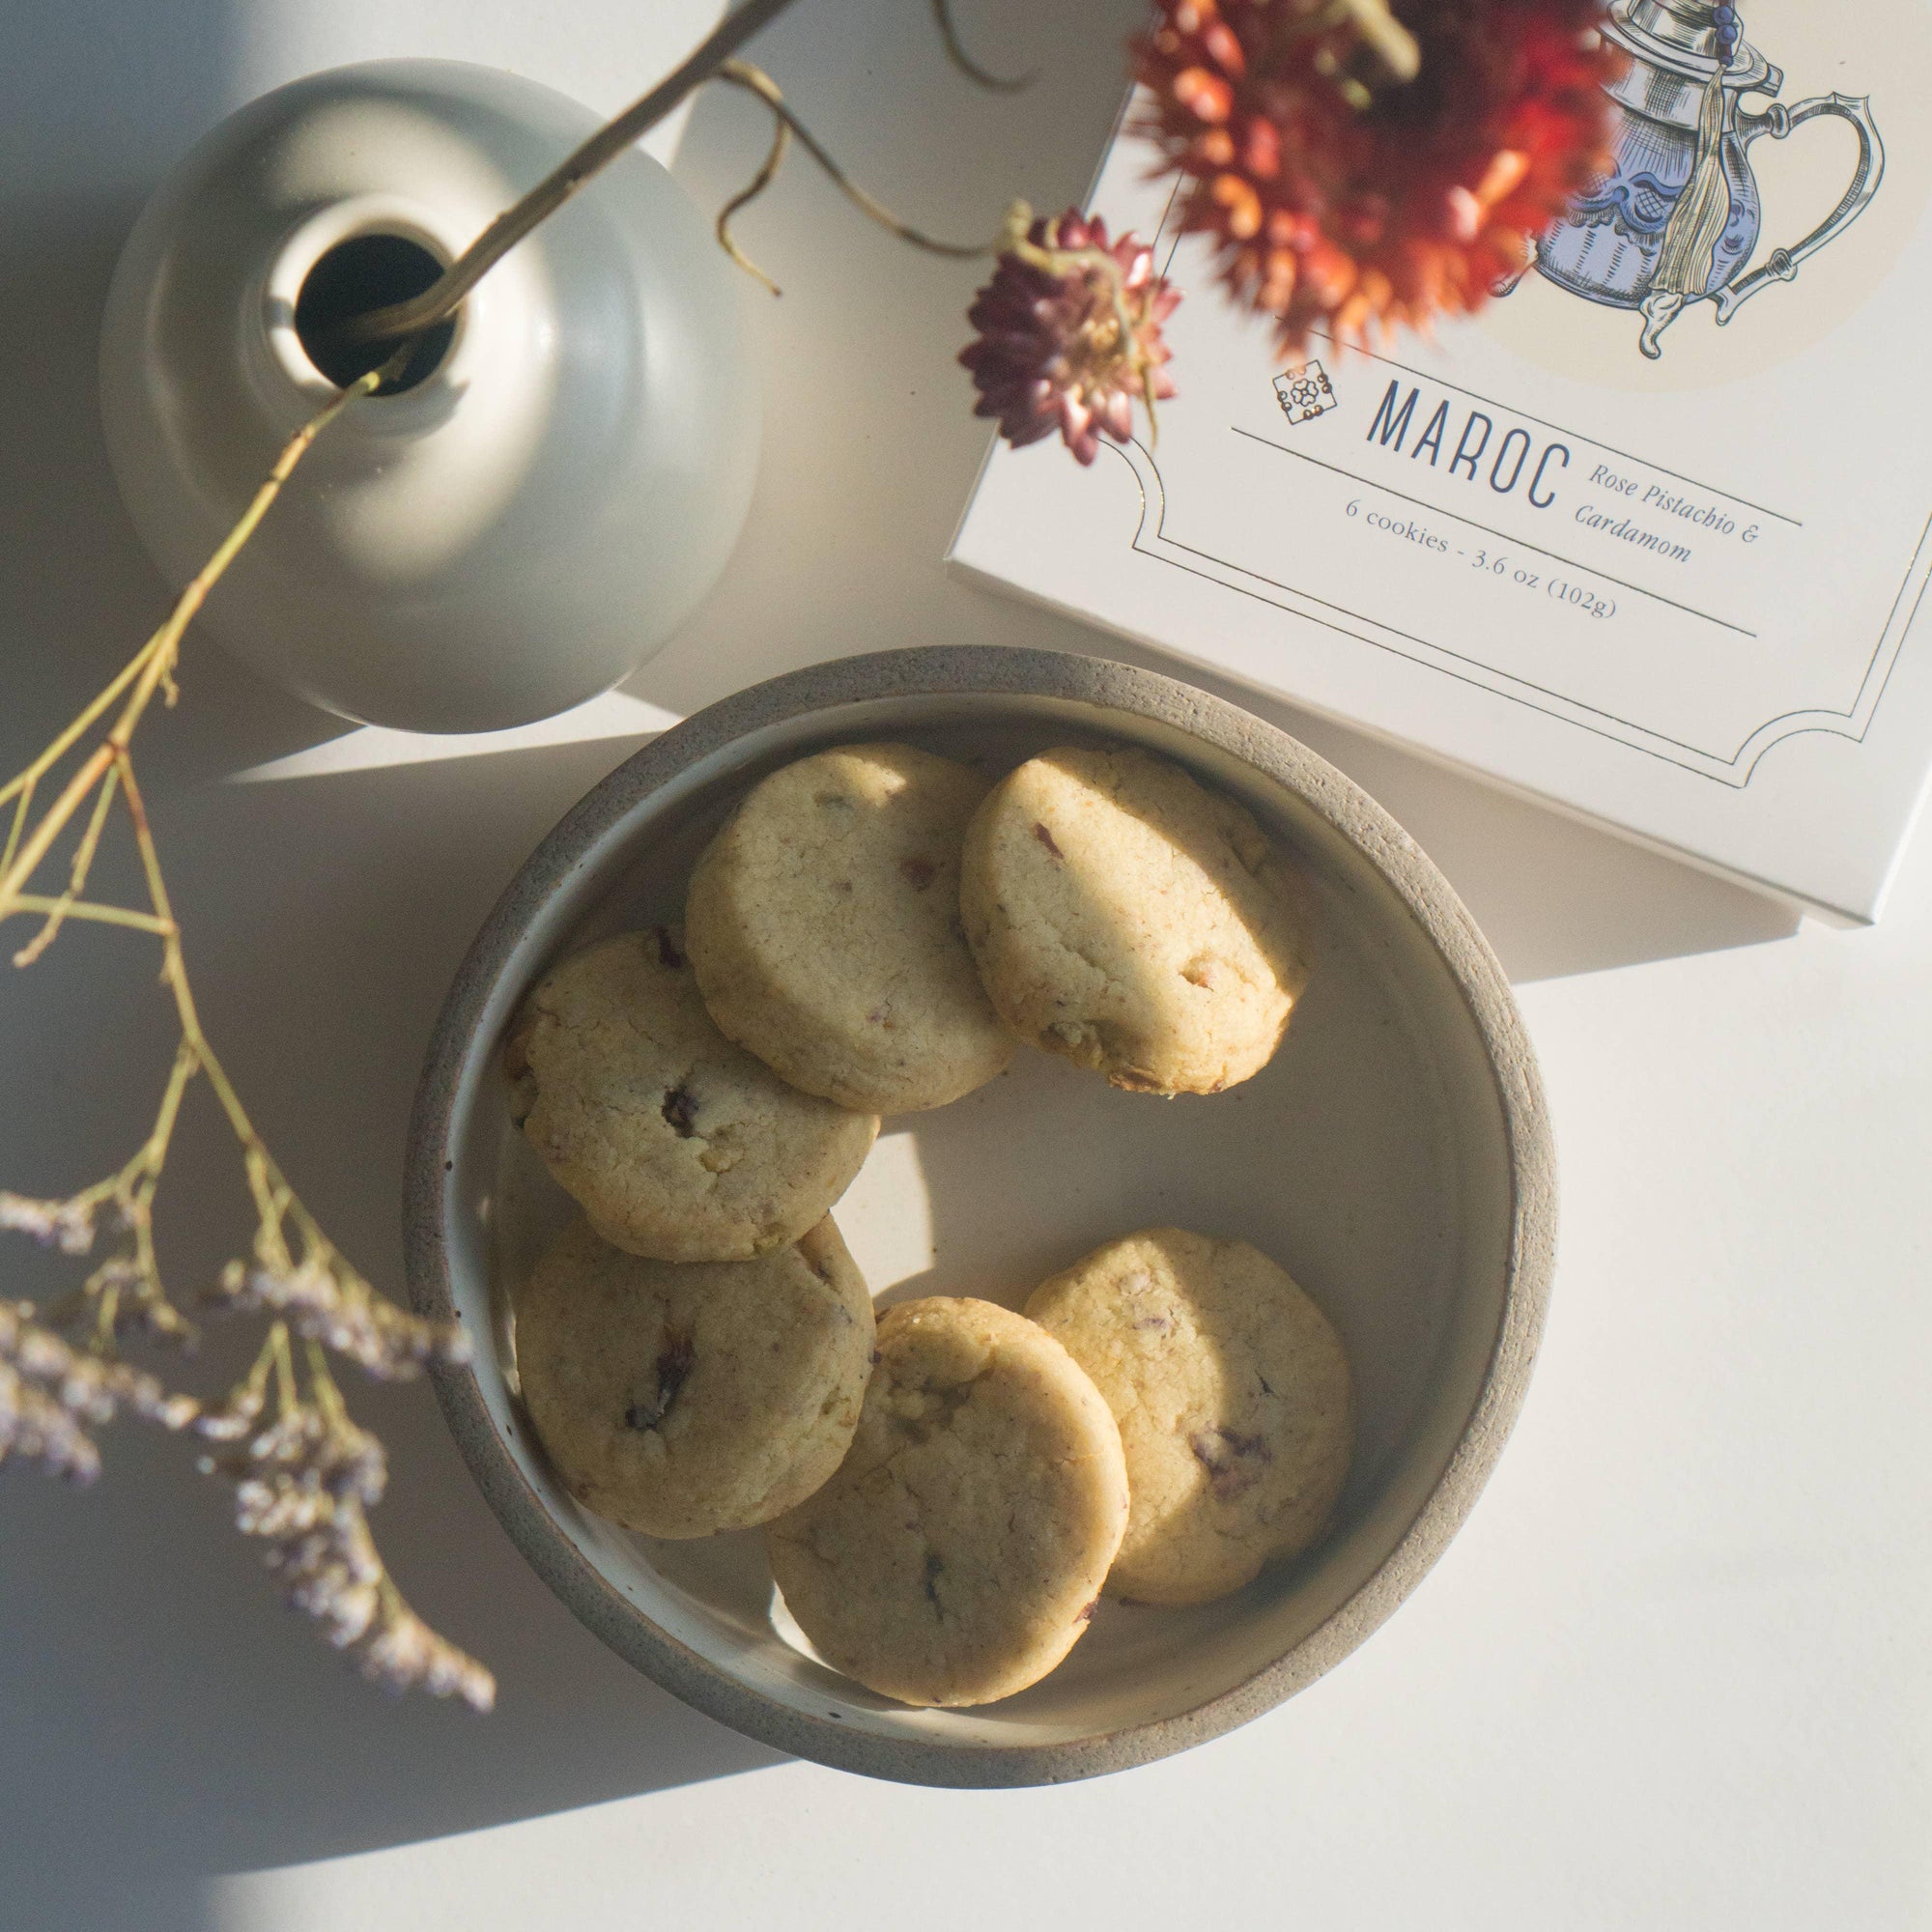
(957, 1555)
(1127, 919)
(676, 1144)
(823, 922)
(1233, 1395)
(684, 1400)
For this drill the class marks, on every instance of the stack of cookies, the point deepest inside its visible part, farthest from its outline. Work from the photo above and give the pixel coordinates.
(948, 1491)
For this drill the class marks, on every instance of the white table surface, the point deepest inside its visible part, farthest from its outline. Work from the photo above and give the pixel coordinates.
(1672, 1674)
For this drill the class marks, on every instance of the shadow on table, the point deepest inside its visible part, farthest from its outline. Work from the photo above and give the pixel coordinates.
(161, 1721)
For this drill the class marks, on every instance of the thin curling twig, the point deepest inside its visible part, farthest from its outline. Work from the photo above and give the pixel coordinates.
(442, 297)
(754, 80)
(760, 182)
(956, 52)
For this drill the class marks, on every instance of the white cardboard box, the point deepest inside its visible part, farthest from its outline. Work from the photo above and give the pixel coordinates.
(1677, 596)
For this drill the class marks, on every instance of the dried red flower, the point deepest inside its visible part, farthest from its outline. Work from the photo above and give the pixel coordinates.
(1069, 333)
(1342, 196)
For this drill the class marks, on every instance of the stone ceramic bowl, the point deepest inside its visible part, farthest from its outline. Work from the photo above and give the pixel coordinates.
(1395, 1157)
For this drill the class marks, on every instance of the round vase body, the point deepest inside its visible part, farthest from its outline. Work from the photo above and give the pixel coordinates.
(522, 527)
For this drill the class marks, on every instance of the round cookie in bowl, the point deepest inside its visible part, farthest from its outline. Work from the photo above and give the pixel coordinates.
(683, 1399)
(958, 1553)
(676, 1144)
(1127, 917)
(823, 922)
(1233, 1397)
(1393, 1156)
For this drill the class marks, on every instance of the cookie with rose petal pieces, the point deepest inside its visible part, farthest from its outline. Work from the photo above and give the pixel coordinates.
(1126, 917)
(957, 1555)
(684, 1399)
(1233, 1397)
(676, 1144)
(823, 922)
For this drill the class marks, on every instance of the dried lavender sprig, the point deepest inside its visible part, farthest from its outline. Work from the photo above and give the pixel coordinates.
(301, 1485)
(53, 1393)
(66, 1225)
(402, 1653)
(303, 1491)
(325, 1301)
(330, 1572)
(84, 1383)
(306, 1449)
(37, 1428)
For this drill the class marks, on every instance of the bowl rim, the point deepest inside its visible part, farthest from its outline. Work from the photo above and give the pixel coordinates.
(967, 672)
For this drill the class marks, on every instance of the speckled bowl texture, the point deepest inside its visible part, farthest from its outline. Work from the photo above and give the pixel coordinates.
(1395, 1157)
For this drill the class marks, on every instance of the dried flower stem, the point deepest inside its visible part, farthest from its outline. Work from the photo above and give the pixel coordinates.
(99, 914)
(756, 81)
(712, 60)
(444, 296)
(303, 1484)
(759, 182)
(956, 52)
(149, 669)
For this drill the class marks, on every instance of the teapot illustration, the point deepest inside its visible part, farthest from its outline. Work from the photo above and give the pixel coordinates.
(1678, 216)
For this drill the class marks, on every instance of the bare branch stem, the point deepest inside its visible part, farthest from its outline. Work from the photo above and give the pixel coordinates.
(20, 788)
(83, 863)
(92, 911)
(442, 299)
(22, 791)
(152, 667)
(754, 80)
(759, 182)
(956, 52)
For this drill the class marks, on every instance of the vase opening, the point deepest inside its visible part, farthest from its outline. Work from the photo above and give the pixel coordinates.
(354, 277)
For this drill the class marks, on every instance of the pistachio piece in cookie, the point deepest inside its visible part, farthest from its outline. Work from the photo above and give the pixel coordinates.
(683, 1400)
(956, 1555)
(1127, 918)
(1233, 1397)
(676, 1144)
(824, 927)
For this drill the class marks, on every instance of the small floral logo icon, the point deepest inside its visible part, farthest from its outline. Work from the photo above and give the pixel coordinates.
(1305, 392)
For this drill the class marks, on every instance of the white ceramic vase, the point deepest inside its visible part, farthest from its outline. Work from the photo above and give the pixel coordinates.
(525, 523)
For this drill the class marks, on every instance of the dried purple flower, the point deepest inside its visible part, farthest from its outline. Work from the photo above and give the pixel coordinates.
(66, 1225)
(402, 1653)
(1069, 333)
(52, 1394)
(332, 1574)
(326, 1302)
(301, 1485)
(37, 1429)
(305, 1450)
(234, 1418)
